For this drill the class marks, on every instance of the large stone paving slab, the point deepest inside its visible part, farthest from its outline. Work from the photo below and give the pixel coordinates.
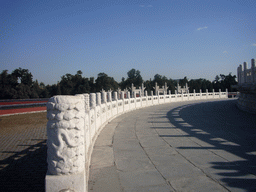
(186, 146)
(137, 179)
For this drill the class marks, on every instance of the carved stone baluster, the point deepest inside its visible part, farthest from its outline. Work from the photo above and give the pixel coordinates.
(65, 131)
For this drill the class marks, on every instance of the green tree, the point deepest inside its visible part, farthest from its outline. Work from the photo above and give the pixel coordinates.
(53, 89)
(92, 85)
(182, 82)
(198, 84)
(36, 90)
(23, 91)
(105, 82)
(134, 78)
(24, 75)
(160, 80)
(149, 86)
(73, 84)
(227, 82)
(122, 84)
(17, 85)
(66, 84)
(171, 85)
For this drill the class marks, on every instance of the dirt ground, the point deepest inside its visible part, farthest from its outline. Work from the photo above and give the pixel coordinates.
(21, 121)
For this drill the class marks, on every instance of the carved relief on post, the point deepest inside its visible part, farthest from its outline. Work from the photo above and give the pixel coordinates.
(87, 102)
(86, 121)
(65, 131)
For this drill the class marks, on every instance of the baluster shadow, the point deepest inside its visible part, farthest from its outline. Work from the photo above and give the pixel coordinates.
(227, 132)
(25, 170)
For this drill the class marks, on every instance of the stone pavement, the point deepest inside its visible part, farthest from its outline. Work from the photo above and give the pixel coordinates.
(186, 146)
(23, 152)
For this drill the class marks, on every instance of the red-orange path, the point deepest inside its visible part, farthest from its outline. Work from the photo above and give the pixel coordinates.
(20, 102)
(21, 110)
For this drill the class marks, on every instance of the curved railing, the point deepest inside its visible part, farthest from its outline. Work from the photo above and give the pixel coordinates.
(74, 122)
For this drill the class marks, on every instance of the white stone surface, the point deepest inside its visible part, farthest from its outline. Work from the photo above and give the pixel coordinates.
(74, 182)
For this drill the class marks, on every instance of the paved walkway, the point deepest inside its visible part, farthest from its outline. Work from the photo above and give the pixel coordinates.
(177, 147)
(23, 152)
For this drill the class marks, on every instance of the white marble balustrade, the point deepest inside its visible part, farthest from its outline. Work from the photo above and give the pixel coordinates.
(74, 122)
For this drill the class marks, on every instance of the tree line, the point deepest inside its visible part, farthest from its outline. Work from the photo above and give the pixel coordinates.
(20, 85)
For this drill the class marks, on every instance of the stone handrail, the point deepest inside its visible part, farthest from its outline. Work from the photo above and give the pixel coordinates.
(74, 122)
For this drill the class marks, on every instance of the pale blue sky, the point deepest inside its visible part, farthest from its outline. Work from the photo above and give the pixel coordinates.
(175, 38)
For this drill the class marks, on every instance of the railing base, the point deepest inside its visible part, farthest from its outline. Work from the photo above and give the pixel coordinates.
(62, 183)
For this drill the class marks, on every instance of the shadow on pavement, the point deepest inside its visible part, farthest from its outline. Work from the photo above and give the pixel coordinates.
(25, 170)
(227, 131)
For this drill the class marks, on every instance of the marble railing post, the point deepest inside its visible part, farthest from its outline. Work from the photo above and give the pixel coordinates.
(115, 96)
(98, 97)
(93, 113)
(118, 95)
(65, 144)
(109, 96)
(152, 93)
(146, 95)
(104, 97)
(134, 94)
(219, 93)
(93, 100)
(87, 102)
(122, 95)
(97, 111)
(65, 114)
(128, 97)
(87, 124)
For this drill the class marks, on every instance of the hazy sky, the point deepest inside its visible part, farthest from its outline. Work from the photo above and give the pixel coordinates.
(175, 38)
